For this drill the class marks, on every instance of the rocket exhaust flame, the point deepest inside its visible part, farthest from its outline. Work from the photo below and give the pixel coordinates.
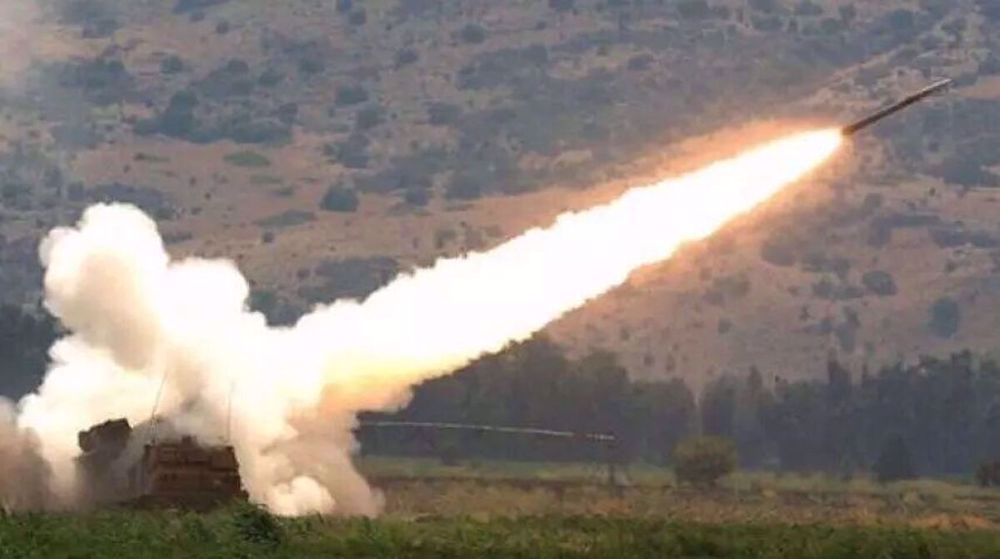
(134, 315)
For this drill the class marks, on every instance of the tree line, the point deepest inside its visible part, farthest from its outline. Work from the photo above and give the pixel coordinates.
(935, 417)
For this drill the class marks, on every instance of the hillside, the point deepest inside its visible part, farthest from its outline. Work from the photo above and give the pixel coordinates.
(326, 146)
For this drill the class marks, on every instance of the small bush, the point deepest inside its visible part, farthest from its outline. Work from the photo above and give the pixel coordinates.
(368, 117)
(406, 56)
(694, 9)
(351, 95)
(894, 462)
(880, 283)
(172, 65)
(945, 317)
(257, 526)
(248, 158)
(702, 461)
(472, 34)
(340, 199)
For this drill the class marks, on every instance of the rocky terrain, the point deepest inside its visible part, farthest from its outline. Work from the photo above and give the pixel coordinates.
(327, 146)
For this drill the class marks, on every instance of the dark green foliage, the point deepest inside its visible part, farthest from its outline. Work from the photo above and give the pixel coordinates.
(808, 8)
(104, 80)
(533, 384)
(417, 197)
(777, 253)
(351, 95)
(472, 33)
(353, 278)
(339, 199)
(146, 535)
(351, 153)
(880, 283)
(172, 65)
(989, 8)
(369, 117)
(247, 158)
(406, 56)
(640, 62)
(694, 9)
(289, 218)
(766, 6)
(358, 17)
(562, 5)
(25, 338)
(945, 317)
(848, 13)
(894, 462)
(964, 170)
(702, 461)
(188, 6)
(256, 526)
(443, 114)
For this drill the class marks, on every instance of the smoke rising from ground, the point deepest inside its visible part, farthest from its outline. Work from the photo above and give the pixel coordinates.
(137, 317)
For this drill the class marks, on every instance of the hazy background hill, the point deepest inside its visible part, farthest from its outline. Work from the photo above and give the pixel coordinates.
(328, 145)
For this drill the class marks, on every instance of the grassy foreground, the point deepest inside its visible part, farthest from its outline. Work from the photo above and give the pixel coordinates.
(250, 533)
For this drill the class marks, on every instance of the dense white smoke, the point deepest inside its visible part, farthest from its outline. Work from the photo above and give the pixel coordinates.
(136, 317)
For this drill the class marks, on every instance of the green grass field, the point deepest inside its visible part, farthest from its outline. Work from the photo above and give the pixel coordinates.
(506, 509)
(246, 533)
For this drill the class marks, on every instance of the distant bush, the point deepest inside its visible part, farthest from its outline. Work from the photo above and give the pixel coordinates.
(880, 283)
(766, 6)
(694, 9)
(702, 461)
(894, 461)
(808, 8)
(945, 317)
(640, 62)
(465, 185)
(777, 254)
(187, 6)
(442, 114)
(368, 117)
(247, 158)
(289, 218)
(472, 33)
(417, 197)
(406, 56)
(562, 5)
(358, 17)
(351, 153)
(351, 95)
(172, 65)
(989, 8)
(340, 199)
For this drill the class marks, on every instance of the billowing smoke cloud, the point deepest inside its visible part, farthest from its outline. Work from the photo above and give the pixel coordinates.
(136, 318)
(24, 479)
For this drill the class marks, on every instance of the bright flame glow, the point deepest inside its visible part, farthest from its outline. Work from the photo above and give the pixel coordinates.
(136, 317)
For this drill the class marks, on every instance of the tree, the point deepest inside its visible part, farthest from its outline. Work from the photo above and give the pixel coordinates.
(894, 462)
(339, 199)
(701, 461)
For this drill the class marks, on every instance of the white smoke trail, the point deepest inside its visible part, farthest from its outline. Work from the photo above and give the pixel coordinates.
(136, 316)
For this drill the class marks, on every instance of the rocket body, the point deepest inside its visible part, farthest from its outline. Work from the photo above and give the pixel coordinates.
(871, 119)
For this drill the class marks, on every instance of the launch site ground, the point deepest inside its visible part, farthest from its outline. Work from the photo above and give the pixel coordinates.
(543, 510)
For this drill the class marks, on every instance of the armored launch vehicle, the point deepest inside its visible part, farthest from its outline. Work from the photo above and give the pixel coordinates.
(116, 470)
